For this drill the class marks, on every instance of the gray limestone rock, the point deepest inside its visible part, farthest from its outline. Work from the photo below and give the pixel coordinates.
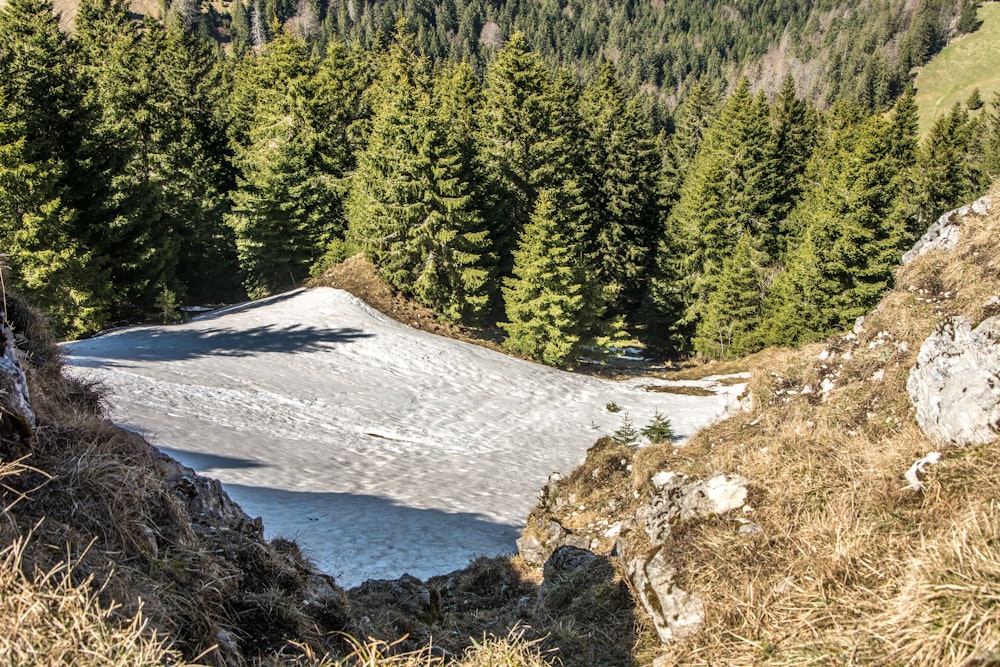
(943, 234)
(407, 594)
(675, 611)
(679, 499)
(16, 415)
(955, 384)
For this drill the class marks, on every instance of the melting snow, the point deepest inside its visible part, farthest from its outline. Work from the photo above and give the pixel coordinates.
(381, 449)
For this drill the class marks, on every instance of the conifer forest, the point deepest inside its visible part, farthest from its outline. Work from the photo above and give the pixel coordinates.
(568, 173)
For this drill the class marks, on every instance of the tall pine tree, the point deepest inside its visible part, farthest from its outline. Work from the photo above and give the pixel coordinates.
(546, 299)
(623, 172)
(53, 221)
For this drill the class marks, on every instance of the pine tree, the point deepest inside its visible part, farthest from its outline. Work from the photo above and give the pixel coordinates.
(36, 234)
(49, 233)
(127, 145)
(281, 209)
(517, 118)
(623, 170)
(415, 201)
(733, 189)
(545, 299)
(730, 325)
(197, 174)
(948, 172)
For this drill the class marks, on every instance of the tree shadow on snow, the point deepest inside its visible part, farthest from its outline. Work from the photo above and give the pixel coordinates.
(356, 537)
(249, 305)
(200, 461)
(179, 343)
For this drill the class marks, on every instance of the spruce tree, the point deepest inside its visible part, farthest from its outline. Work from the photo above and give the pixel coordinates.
(545, 299)
(730, 325)
(794, 123)
(281, 212)
(948, 170)
(623, 172)
(415, 203)
(853, 234)
(127, 147)
(733, 190)
(51, 232)
(991, 138)
(36, 234)
(517, 118)
(197, 170)
(386, 197)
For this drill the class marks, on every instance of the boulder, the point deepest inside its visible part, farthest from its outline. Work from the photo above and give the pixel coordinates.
(17, 419)
(679, 499)
(675, 611)
(535, 546)
(955, 383)
(206, 501)
(407, 594)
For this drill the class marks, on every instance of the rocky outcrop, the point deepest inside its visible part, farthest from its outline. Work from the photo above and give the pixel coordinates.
(677, 612)
(206, 502)
(17, 419)
(407, 595)
(955, 384)
(944, 232)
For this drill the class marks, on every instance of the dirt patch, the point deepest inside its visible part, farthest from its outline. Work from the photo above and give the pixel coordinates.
(359, 277)
(683, 390)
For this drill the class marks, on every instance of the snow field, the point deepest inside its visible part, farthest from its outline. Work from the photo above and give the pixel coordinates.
(381, 449)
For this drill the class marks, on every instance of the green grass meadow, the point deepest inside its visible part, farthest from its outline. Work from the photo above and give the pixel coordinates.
(971, 61)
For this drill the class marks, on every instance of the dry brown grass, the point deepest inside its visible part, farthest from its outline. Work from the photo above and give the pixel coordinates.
(48, 619)
(851, 566)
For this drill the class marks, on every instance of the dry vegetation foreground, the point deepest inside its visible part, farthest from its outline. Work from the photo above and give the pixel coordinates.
(851, 565)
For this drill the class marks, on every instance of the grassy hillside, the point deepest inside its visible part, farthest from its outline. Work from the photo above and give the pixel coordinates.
(971, 61)
(850, 566)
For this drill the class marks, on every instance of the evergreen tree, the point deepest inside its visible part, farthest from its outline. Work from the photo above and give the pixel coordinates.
(968, 20)
(282, 209)
(949, 172)
(694, 116)
(49, 234)
(197, 175)
(127, 145)
(517, 118)
(795, 304)
(991, 138)
(414, 204)
(853, 234)
(733, 312)
(386, 197)
(733, 190)
(794, 123)
(623, 169)
(545, 299)
(36, 235)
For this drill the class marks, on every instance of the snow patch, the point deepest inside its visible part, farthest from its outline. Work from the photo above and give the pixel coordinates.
(381, 449)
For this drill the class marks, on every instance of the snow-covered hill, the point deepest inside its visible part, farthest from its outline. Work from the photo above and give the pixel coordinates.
(381, 449)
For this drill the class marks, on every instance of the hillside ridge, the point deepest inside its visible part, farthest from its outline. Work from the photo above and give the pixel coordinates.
(827, 514)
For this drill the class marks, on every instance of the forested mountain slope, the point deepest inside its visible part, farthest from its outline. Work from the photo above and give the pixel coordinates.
(564, 208)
